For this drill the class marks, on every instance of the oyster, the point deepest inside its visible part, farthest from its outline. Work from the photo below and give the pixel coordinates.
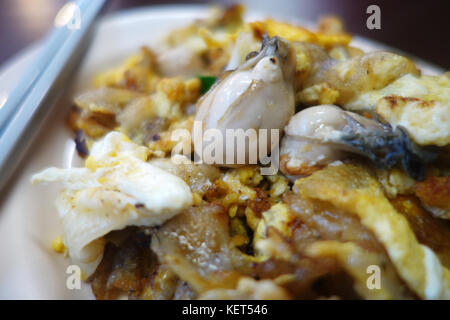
(320, 135)
(257, 95)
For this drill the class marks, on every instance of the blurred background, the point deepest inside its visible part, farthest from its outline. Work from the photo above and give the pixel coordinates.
(418, 27)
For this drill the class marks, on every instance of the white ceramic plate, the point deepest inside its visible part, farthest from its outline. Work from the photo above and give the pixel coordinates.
(29, 269)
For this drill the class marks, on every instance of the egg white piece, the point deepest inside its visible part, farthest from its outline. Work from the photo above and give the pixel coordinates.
(118, 188)
(421, 105)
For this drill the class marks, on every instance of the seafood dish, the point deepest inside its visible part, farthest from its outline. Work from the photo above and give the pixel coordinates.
(338, 189)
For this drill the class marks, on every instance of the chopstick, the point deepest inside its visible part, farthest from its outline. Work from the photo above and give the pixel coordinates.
(54, 41)
(31, 101)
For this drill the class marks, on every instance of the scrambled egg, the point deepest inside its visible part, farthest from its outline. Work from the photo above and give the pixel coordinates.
(395, 182)
(136, 72)
(353, 189)
(419, 104)
(318, 94)
(428, 122)
(295, 33)
(428, 88)
(117, 188)
(238, 182)
(58, 245)
(280, 218)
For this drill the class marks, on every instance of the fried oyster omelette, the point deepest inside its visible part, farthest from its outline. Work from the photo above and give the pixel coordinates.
(363, 185)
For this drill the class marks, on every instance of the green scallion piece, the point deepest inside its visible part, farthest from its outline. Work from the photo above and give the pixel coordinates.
(207, 82)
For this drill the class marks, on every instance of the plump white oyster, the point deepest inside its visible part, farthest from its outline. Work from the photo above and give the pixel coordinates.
(310, 139)
(322, 134)
(257, 95)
